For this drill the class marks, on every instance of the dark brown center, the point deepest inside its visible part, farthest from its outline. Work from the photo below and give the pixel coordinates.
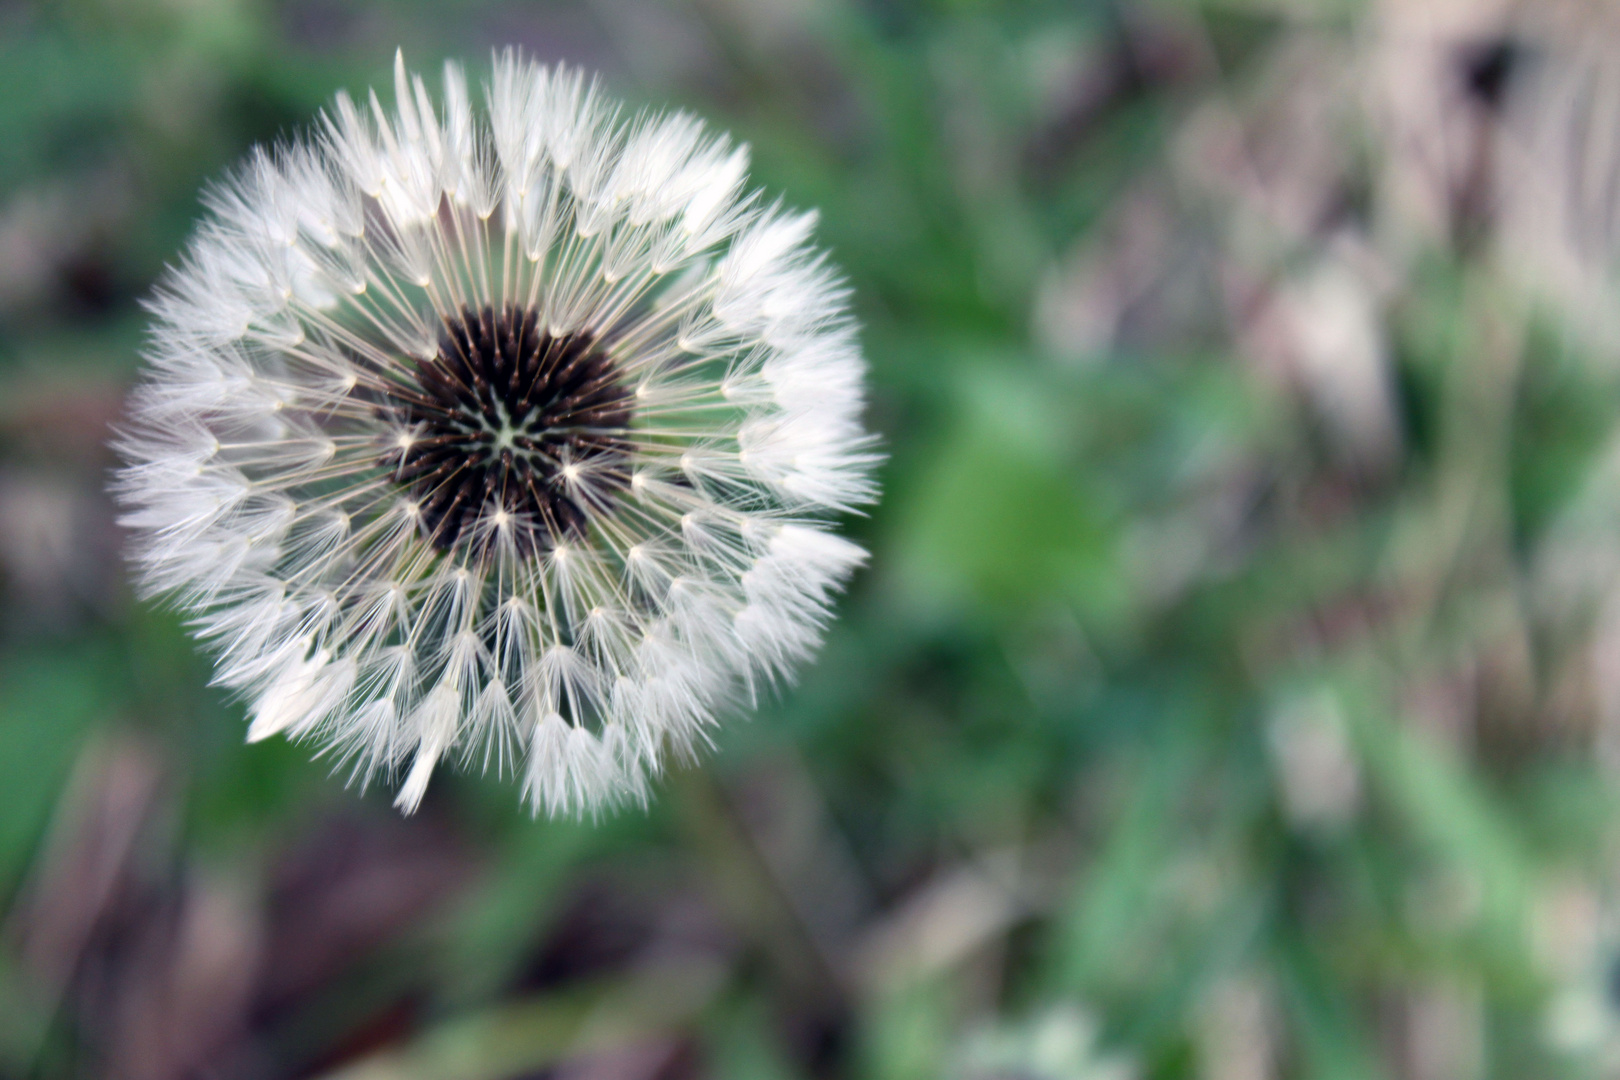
(509, 417)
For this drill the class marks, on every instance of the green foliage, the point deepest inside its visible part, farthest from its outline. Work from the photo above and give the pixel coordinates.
(1243, 698)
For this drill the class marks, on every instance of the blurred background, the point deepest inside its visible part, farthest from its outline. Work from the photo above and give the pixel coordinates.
(1234, 692)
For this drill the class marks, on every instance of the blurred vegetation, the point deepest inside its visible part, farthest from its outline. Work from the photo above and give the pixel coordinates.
(1235, 689)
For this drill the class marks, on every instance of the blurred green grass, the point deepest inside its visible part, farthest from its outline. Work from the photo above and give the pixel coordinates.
(1253, 696)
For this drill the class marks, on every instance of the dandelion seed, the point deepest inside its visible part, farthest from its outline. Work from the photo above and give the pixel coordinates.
(506, 434)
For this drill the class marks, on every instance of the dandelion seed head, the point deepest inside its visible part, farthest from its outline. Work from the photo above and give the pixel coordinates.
(502, 428)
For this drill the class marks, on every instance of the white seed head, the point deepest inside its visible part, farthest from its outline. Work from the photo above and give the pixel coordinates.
(508, 436)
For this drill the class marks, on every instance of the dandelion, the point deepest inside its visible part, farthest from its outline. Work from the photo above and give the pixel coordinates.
(507, 434)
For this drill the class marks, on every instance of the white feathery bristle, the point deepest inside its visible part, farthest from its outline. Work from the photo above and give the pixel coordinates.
(500, 426)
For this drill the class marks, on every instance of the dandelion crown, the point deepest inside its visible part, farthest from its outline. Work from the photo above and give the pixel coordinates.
(506, 434)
